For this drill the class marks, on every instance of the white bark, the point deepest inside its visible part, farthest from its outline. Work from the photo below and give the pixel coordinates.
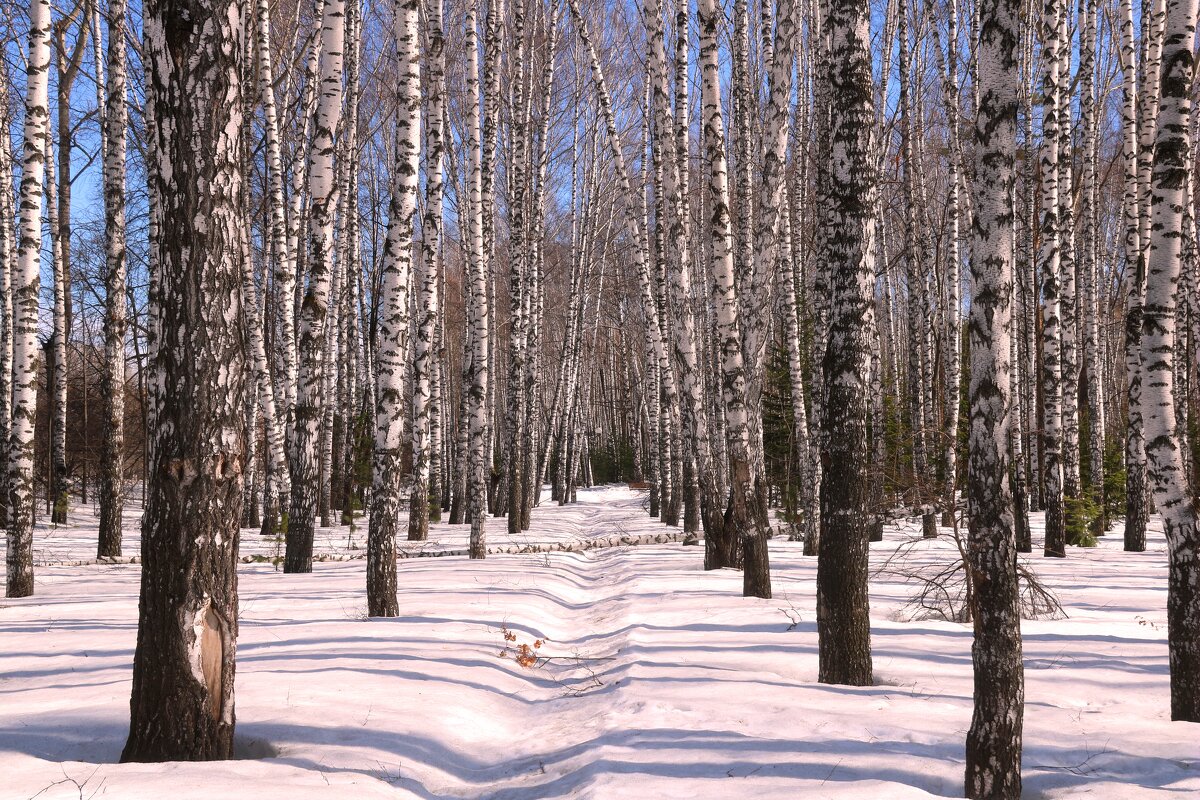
(309, 406)
(7, 268)
(1164, 441)
(26, 282)
(1049, 259)
(475, 386)
(392, 340)
(112, 385)
(428, 277)
(740, 518)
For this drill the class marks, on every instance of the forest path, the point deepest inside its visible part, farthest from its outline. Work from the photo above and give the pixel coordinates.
(656, 679)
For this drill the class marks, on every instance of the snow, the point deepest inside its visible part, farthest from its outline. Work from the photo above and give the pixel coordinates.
(662, 681)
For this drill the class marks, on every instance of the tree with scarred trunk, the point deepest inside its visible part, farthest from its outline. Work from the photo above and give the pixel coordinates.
(182, 705)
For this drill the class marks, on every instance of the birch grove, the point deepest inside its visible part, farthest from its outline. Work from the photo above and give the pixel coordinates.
(817, 275)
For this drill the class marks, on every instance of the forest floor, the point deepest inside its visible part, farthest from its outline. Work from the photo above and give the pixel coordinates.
(655, 679)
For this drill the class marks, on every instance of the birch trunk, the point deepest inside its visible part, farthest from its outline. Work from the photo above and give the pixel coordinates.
(283, 256)
(68, 63)
(741, 523)
(309, 408)
(26, 282)
(915, 272)
(843, 609)
(1164, 441)
(512, 469)
(1049, 258)
(287, 285)
(392, 342)
(182, 706)
(1136, 510)
(427, 277)
(994, 739)
(952, 330)
(56, 351)
(112, 380)
(1089, 269)
(1068, 295)
(8, 266)
(475, 383)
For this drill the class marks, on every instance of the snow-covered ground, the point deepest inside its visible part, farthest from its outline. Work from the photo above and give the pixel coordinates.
(655, 679)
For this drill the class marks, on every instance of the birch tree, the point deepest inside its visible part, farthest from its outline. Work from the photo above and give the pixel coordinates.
(741, 523)
(309, 408)
(392, 348)
(994, 738)
(182, 706)
(1164, 441)
(26, 281)
(843, 611)
(1068, 313)
(112, 382)
(428, 277)
(1090, 252)
(952, 333)
(1136, 509)
(1049, 258)
(475, 380)
(8, 264)
(283, 258)
(59, 180)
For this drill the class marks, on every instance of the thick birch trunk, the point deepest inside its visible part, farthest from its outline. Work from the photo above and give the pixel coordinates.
(8, 265)
(994, 739)
(843, 609)
(1164, 441)
(182, 707)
